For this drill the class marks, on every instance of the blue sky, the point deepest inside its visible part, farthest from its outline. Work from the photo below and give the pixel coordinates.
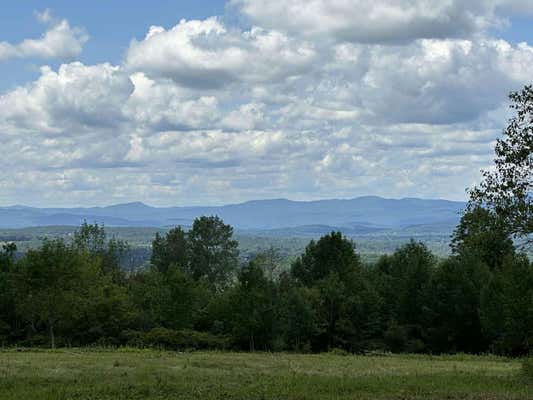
(111, 26)
(519, 30)
(248, 100)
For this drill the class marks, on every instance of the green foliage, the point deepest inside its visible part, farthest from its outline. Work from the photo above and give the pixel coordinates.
(7, 292)
(171, 249)
(253, 309)
(405, 283)
(92, 239)
(53, 287)
(194, 296)
(213, 252)
(453, 323)
(344, 307)
(270, 261)
(296, 316)
(177, 339)
(396, 338)
(507, 189)
(481, 232)
(108, 313)
(7, 255)
(506, 307)
(333, 253)
(171, 299)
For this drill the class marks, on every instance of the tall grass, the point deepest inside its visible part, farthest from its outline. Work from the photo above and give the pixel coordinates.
(527, 367)
(107, 374)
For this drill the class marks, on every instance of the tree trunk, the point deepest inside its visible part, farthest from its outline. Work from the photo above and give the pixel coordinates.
(52, 335)
(252, 344)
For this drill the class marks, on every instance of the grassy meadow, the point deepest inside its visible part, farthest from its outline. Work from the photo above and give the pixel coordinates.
(150, 374)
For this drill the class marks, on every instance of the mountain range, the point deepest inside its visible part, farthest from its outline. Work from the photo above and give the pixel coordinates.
(363, 215)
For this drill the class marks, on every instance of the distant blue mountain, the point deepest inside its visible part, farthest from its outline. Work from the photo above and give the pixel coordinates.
(362, 214)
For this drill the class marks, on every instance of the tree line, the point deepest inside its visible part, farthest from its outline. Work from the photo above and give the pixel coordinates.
(196, 293)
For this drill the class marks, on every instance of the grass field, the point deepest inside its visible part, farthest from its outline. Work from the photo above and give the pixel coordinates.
(150, 374)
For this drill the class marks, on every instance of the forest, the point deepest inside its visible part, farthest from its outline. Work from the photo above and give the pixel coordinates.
(196, 294)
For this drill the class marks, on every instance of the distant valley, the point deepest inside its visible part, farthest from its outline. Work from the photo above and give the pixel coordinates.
(377, 225)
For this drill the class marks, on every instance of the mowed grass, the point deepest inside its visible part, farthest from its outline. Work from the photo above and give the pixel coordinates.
(149, 374)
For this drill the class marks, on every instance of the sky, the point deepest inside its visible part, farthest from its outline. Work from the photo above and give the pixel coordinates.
(215, 102)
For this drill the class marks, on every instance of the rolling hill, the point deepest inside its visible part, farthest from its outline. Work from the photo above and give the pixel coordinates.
(362, 215)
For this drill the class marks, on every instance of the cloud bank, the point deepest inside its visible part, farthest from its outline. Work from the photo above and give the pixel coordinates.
(323, 99)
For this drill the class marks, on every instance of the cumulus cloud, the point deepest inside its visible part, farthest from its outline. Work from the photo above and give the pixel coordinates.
(371, 22)
(60, 41)
(442, 81)
(161, 105)
(76, 97)
(206, 54)
(381, 21)
(306, 106)
(427, 81)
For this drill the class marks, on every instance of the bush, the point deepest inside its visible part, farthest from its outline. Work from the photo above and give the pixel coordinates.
(338, 352)
(132, 338)
(38, 341)
(404, 339)
(396, 338)
(176, 340)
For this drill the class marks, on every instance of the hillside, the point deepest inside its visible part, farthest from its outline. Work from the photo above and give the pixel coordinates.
(363, 215)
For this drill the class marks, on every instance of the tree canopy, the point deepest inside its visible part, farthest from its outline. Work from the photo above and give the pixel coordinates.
(508, 189)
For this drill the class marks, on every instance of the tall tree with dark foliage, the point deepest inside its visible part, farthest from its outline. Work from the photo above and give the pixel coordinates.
(508, 190)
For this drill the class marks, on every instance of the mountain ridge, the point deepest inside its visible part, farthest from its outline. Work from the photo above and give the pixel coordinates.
(366, 212)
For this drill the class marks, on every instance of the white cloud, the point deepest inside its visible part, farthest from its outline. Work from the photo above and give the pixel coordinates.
(206, 54)
(161, 105)
(207, 113)
(45, 16)
(60, 41)
(442, 81)
(371, 21)
(382, 21)
(246, 117)
(73, 99)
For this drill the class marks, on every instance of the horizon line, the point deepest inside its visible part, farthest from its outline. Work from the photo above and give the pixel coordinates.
(233, 203)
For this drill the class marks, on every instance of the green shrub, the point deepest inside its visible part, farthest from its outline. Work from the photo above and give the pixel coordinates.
(176, 340)
(396, 338)
(190, 339)
(132, 338)
(338, 352)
